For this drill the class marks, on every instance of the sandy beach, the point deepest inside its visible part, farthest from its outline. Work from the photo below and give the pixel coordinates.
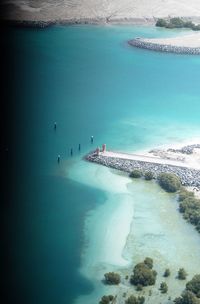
(135, 11)
(191, 40)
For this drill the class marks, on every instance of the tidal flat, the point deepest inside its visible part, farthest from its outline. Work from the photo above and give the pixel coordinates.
(138, 219)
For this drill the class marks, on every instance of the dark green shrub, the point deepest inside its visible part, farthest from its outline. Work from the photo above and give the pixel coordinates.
(190, 207)
(161, 23)
(189, 24)
(169, 182)
(182, 274)
(183, 194)
(187, 297)
(148, 175)
(143, 274)
(177, 23)
(139, 287)
(112, 278)
(196, 27)
(194, 285)
(163, 287)
(149, 262)
(106, 299)
(166, 273)
(135, 300)
(136, 173)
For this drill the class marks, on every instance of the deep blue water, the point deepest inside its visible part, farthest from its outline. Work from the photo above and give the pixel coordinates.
(90, 82)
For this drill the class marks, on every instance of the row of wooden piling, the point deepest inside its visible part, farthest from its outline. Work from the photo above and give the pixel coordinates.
(71, 150)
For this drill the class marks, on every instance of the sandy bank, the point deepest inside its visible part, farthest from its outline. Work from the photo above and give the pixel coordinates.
(191, 40)
(90, 11)
(187, 44)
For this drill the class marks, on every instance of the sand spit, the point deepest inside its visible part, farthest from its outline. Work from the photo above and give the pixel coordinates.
(98, 11)
(188, 44)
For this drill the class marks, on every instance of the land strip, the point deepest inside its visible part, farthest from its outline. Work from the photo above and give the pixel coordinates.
(189, 176)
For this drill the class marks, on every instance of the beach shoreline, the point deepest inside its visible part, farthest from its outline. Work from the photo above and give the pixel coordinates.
(40, 23)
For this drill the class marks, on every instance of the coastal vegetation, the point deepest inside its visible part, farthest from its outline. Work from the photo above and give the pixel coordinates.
(148, 175)
(166, 273)
(182, 274)
(135, 300)
(143, 274)
(189, 205)
(112, 278)
(190, 208)
(163, 287)
(194, 285)
(169, 182)
(183, 194)
(136, 173)
(187, 297)
(191, 294)
(177, 23)
(106, 299)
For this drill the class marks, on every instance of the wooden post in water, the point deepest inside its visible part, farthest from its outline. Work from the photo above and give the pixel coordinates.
(103, 147)
(58, 159)
(97, 151)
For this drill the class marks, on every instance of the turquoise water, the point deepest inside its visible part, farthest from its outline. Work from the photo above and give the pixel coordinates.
(91, 82)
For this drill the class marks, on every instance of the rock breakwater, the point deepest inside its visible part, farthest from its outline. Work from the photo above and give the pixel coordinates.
(188, 176)
(143, 44)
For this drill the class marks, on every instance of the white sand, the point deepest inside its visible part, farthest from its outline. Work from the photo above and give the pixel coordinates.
(165, 158)
(192, 40)
(110, 10)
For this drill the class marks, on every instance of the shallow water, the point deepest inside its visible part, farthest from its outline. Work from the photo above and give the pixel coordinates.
(88, 80)
(138, 219)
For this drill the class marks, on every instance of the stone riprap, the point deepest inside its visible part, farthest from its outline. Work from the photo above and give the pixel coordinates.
(188, 177)
(143, 44)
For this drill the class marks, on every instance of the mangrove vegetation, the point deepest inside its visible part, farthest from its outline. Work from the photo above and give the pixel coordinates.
(143, 274)
(177, 23)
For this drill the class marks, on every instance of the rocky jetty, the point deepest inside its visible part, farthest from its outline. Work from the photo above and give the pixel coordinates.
(188, 176)
(143, 44)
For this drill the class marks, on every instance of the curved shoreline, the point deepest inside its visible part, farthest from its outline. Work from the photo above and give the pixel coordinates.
(80, 21)
(162, 47)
